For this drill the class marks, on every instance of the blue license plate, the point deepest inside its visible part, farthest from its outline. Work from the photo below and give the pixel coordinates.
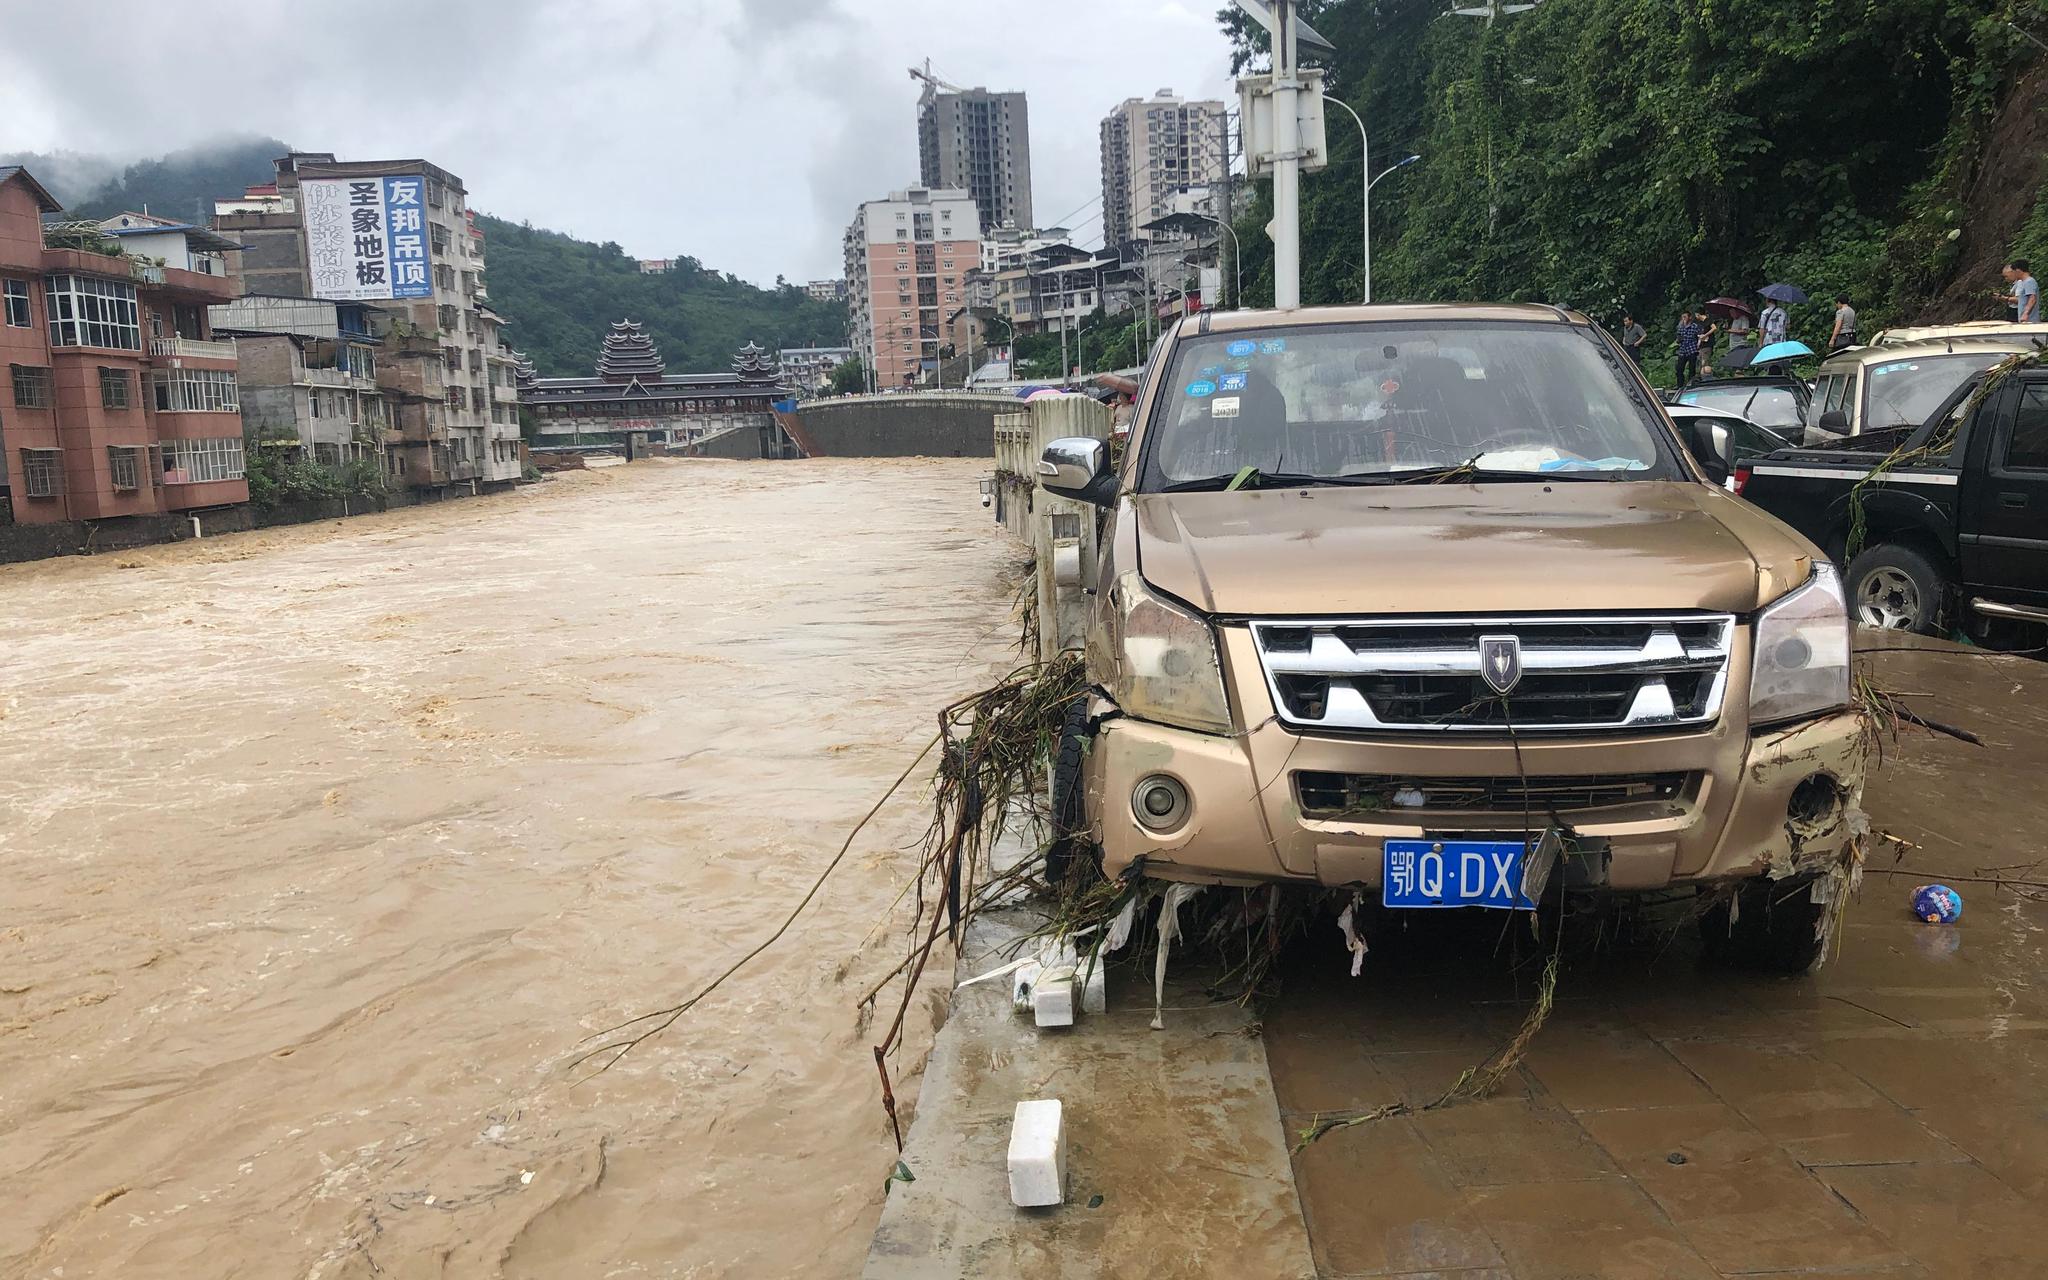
(1454, 873)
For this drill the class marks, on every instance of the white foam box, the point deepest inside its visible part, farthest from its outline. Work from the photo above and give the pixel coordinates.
(1052, 999)
(1038, 1154)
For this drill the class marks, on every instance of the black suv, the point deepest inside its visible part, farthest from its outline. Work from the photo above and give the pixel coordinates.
(1941, 525)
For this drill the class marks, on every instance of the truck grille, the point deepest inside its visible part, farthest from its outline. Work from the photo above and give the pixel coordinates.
(1327, 794)
(1578, 673)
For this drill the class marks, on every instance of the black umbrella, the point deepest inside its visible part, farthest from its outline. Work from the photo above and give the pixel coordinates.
(1783, 293)
(1737, 358)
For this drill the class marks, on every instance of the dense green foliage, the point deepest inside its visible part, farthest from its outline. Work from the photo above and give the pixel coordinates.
(279, 476)
(1649, 154)
(562, 294)
(848, 378)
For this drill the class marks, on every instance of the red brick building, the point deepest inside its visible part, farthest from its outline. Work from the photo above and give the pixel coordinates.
(114, 399)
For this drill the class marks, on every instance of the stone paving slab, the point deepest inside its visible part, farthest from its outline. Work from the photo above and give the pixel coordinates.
(1177, 1131)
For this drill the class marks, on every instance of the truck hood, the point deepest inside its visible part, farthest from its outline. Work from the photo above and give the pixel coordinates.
(1575, 546)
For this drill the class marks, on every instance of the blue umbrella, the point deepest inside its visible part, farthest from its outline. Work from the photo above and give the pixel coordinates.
(1781, 351)
(1783, 293)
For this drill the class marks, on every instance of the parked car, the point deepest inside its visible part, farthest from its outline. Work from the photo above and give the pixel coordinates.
(1993, 330)
(1722, 440)
(1776, 401)
(1873, 388)
(1388, 594)
(1952, 514)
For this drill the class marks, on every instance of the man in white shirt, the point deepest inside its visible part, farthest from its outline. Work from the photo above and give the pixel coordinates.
(1776, 324)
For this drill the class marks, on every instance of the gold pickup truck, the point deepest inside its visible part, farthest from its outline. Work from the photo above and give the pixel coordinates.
(1436, 603)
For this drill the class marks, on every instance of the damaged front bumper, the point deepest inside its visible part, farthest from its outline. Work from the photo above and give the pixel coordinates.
(1674, 808)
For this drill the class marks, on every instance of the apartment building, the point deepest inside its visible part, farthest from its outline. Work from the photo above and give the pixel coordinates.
(1153, 148)
(907, 258)
(421, 265)
(826, 290)
(810, 368)
(309, 379)
(979, 142)
(118, 399)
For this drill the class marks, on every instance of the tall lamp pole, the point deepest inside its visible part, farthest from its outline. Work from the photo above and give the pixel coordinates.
(1367, 179)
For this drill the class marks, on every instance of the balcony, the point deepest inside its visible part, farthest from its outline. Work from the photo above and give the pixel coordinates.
(194, 348)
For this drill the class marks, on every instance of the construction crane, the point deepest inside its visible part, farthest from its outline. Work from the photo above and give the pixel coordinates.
(931, 82)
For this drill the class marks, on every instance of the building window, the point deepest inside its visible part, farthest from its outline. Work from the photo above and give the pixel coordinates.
(86, 311)
(114, 390)
(121, 467)
(362, 362)
(16, 292)
(201, 461)
(195, 391)
(42, 473)
(31, 386)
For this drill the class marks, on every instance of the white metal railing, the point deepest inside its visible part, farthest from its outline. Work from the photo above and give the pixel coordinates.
(192, 347)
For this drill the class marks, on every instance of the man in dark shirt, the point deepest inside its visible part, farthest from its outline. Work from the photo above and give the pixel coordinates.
(1632, 336)
(1688, 348)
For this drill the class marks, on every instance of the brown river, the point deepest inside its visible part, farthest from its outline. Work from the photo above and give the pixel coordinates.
(321, 850)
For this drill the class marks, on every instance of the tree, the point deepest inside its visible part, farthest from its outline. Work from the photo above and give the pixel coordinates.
(848, 378)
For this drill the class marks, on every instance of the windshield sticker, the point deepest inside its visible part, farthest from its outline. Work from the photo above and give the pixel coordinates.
(1210, 371)
(1272, 346)
(1240, 366)
(1389, 387)
(1883, 369)
(1202, 388)
(1231, 382)
(1242, 347)
(1223, 407)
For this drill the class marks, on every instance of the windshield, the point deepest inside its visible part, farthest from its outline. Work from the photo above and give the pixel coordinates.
(1772, 407)
(1904, 392)
(1379, 403)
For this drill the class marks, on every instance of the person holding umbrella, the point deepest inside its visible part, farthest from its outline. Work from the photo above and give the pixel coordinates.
(1776, 324)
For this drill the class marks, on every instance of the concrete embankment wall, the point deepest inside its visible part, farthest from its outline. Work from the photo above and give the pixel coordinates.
(739, 442)
(24, 542)
(902, 426)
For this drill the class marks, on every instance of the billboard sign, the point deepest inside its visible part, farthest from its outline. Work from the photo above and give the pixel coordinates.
(366, 238)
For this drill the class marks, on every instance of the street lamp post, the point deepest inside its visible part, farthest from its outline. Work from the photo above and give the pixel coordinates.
(1366, 180)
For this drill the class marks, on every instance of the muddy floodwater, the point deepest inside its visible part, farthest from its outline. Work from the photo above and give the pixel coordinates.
(321, 850)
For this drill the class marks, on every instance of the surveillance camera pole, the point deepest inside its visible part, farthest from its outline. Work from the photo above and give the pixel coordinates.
(1286, 163)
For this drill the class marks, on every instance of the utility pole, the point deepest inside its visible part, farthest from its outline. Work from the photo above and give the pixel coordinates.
(1274, 100)
(1223, 127)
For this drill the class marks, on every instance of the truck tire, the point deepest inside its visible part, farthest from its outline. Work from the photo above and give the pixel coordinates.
(1776, 927)
(1897, 588)
(1070, 854)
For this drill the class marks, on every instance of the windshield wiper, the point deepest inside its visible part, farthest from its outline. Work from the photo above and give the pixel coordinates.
(1256, 479)
(1465, 472)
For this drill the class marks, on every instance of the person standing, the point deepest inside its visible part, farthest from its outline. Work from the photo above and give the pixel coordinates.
(1738, 330)
(1632, 336)
(2025, 298)
(1776, 324)
(1844, 334)
(1688, 366)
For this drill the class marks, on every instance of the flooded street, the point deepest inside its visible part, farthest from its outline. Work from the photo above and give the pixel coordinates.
(325, 847)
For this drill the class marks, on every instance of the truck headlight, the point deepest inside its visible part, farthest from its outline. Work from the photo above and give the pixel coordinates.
(1801, 664)
(1170, 672)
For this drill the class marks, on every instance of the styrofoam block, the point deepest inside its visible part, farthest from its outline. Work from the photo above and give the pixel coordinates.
(1095, 986)
(1052, 999)
(1038, 1154)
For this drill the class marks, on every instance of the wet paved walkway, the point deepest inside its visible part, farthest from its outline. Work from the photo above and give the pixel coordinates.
(1885, 1117)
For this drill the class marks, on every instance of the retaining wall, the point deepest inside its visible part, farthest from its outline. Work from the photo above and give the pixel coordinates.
(902, 426)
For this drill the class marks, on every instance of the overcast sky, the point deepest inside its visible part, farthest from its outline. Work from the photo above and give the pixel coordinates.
(741, 132)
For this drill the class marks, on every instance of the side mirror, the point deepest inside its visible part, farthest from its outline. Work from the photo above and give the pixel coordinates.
(1708, 441)
(1077, 467)
(1835, 423)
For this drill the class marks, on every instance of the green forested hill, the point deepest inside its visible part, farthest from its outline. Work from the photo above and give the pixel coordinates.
(1611, 154)
(560, 294)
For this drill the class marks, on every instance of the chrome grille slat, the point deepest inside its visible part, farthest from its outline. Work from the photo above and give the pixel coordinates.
(1423, 674)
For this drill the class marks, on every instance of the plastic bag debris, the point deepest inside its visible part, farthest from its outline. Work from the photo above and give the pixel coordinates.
(1347, 921)
(1169, 929)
